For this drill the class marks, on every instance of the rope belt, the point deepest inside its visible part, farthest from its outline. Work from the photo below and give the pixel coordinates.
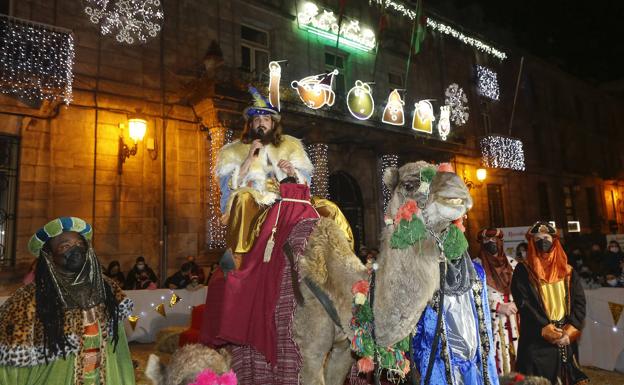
(268, 250)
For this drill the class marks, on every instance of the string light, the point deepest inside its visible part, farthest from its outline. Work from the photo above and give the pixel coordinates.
(324, 23)
(360, 101)
(471, 41)
(502, 152)
(320, 175)
(487, 83)
(444, 123)
(393, 112)
(458, 102)
(130, 20)
(387, 161)
(216, 231)
(398, 7)
(36, 60)
(423, 117)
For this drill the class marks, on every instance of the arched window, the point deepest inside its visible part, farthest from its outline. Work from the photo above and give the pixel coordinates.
(345, 191)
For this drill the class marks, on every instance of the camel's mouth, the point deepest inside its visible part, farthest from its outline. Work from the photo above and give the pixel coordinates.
(451, 202)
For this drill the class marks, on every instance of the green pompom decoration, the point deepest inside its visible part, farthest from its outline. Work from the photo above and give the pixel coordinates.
(408, 233)
(364, 314)
(455, 244)
(368, 347)
(386, 359)
(427, 174)
(403, 345)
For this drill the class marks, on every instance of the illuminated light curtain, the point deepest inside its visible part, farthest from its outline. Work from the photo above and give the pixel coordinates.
(320, 176)
(215, 230)
(36, 60)
(386, 161)
(499, 151)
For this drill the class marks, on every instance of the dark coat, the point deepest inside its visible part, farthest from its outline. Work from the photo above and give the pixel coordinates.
(132, 281)
(536, 356)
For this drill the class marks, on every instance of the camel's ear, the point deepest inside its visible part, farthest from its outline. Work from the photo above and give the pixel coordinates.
(391, 178)
(155, 370)
(227, 357)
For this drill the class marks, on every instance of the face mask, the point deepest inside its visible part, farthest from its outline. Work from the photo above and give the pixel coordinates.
(141, 266)
(613, 249)
(75, 259)
(543, 245)
(491, 248)
(579, 262)
(612, 282)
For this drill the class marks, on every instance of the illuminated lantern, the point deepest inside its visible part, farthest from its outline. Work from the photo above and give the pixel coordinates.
(423, 117)
(444, 124)
(360, 101)
(275, 74)
(393, 113)
(316, 91)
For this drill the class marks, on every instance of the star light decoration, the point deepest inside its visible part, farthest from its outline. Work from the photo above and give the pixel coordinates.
(487, 83)
(458, 102)
(387, 161)
(499, 151)
(131, 21)
(320, 175)
(36, 60)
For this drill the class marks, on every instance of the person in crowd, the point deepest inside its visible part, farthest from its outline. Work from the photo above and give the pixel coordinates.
(141, 276)
(503, 311)
(576, 258)
(182, 278)
(66, 327)
(551, 303)
(612, 280)
(30, 276)
(211, 271)
(521, 251)
(196, 270)
(594, 259)
(612, 259)
(114, 272)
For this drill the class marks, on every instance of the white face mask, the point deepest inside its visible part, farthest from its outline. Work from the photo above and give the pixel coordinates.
(613, 249)
(612, 282)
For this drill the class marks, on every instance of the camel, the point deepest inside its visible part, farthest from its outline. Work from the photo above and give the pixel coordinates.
(406, 279)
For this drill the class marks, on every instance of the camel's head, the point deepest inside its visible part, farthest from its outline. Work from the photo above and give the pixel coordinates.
(440, 194)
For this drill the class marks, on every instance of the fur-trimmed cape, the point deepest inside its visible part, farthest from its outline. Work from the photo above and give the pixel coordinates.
(232, 156)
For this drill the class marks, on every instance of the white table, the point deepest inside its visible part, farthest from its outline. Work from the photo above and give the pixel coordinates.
(151, 321)
(602, 343)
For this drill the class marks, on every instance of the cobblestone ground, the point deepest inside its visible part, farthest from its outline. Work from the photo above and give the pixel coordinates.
(140, 353)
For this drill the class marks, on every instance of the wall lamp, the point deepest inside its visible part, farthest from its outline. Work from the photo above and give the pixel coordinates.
(137, 125)
(481, 176)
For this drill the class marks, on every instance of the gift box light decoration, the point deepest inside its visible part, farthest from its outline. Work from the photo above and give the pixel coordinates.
(324, 23)
(499, 151)
(444, 123)
(275, 74)
(393, 112)
(487, 83)
(458, 102)
(360, 101)
(316, 91)
(423, 117)
(36, 60)
(131, 21)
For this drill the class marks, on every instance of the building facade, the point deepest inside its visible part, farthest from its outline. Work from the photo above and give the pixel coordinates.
(190, 81)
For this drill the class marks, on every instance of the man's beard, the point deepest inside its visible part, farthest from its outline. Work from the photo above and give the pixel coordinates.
(265, 137)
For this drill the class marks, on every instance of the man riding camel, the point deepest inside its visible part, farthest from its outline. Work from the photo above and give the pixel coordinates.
(264, 179)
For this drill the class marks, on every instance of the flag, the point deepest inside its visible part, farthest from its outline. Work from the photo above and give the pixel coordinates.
(421, 28)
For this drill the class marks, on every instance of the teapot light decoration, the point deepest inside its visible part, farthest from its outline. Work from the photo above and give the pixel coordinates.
(316, 91)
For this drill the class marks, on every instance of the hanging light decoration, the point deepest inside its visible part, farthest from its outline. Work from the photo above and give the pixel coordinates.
(215, 230)
(423, 117)
(360, 101)
(132, 21)
(275, 74)
(458, 102)
(393, 112)
(316, 91)
(387, 161)
(444, 123)
(499, 151)
(487, 83)
(320, 176)
(36, 60)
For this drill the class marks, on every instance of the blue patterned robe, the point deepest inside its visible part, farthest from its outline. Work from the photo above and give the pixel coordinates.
(462, 371)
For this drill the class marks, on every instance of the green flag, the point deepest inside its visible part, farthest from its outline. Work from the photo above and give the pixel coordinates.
(421, 28)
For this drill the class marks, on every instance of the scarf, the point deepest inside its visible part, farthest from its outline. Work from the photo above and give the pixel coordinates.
(459, 276)
(498, 270)
(547, 267)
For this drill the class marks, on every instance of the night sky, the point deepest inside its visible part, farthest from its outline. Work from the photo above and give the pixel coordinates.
(582, 37)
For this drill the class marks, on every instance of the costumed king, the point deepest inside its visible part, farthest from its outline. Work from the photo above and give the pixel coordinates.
(66, 327)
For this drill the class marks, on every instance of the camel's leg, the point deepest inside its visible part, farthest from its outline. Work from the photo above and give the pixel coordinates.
(339, 362)
(313, 331)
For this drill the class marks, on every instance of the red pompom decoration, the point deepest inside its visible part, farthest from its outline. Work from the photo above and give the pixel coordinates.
(360, 287)
(365, 365)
